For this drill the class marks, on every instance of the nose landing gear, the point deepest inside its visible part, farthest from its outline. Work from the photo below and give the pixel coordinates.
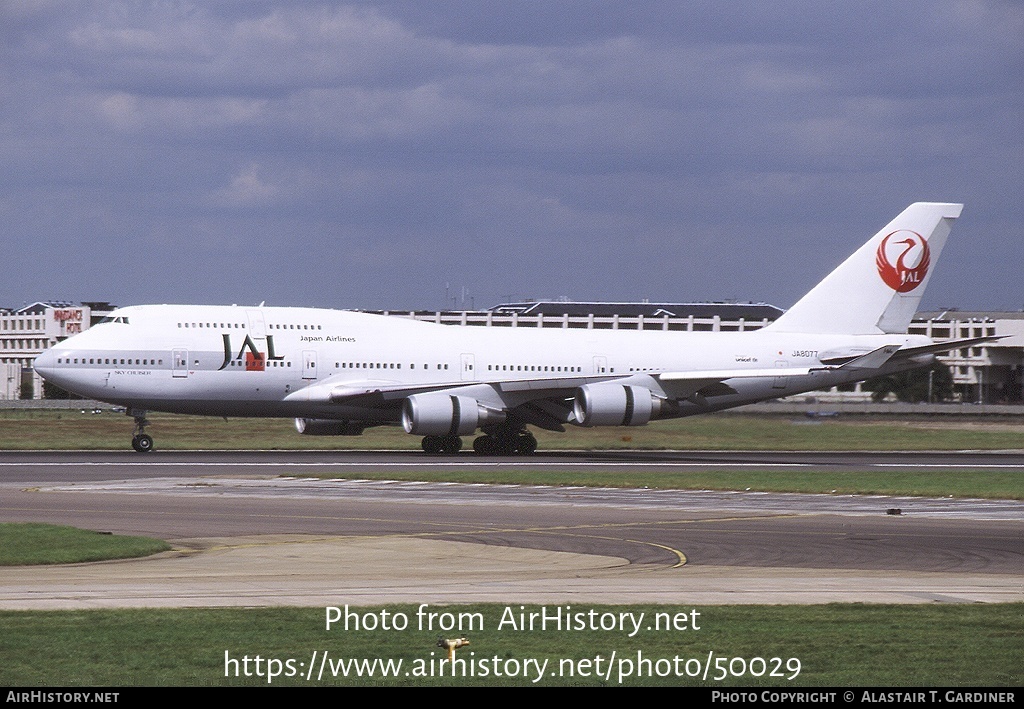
(141, 441)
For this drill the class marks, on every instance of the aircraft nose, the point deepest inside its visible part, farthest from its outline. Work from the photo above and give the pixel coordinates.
(44, 363)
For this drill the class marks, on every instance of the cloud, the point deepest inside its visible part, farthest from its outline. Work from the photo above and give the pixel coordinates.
(247, 188)
(525, 136)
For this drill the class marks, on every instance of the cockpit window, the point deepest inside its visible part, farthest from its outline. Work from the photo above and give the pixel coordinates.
(120, 319)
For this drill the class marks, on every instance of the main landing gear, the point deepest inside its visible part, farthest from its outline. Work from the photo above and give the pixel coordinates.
(501, 441)
(504, 442)
(441, 444)
(141, 441)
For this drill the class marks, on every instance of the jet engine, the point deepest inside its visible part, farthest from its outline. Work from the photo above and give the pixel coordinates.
(615, 405)
(328, 427)
(438, 414)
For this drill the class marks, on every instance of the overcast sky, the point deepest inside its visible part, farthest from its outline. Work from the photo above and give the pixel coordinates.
(366, 154)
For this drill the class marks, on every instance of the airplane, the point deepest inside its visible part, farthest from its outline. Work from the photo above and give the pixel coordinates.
(340, 372)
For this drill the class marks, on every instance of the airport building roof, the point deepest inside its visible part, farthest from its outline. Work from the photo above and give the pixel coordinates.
(726, 311)
(954, 314)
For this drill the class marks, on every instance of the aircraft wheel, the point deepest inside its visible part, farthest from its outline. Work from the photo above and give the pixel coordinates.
(432, 444)
(451, 444)
(526, 444)
(143, 443)
(483, 445)
(505, 445)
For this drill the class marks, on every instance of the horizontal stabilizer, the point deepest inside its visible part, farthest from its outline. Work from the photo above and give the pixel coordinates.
(873, 359)
(946, 346)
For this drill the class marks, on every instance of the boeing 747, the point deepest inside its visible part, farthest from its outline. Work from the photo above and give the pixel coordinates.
(339, 372)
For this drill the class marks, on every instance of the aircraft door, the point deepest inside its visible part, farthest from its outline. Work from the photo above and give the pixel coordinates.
(309, 359)
(468, 368)
(780, 382)
(257, 326)
(179, 360)
(600, 365)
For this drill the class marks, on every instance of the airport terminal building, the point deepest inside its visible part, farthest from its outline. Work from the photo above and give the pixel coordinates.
(26, 332)
(988, 373)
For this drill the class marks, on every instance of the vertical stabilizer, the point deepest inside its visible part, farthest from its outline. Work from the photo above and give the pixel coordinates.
(878, 289)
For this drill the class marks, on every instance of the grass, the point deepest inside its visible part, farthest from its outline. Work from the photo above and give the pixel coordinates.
(71, 430)
(838, 645)
(1000, 485)
(26, 544)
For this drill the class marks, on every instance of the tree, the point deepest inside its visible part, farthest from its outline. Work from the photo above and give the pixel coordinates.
(27, 391)
(52, 391)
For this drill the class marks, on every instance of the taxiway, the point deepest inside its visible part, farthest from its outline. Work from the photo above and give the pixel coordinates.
(249, 532)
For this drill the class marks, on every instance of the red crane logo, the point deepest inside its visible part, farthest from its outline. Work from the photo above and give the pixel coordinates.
(903, 277)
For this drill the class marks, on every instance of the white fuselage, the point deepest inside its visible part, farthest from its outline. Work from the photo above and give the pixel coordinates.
(270, 361)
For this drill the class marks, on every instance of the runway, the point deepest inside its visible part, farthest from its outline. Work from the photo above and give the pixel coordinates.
(89, 465)
(246, 535)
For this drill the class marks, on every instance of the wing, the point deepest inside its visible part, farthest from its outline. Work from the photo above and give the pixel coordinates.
(544, 402)
(911, 352)
(709, 383)
(551, 402)
(338, 390)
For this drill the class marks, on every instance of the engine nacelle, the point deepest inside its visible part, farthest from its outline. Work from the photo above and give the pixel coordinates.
(437, 414)
(328, 427)
(615, 405)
